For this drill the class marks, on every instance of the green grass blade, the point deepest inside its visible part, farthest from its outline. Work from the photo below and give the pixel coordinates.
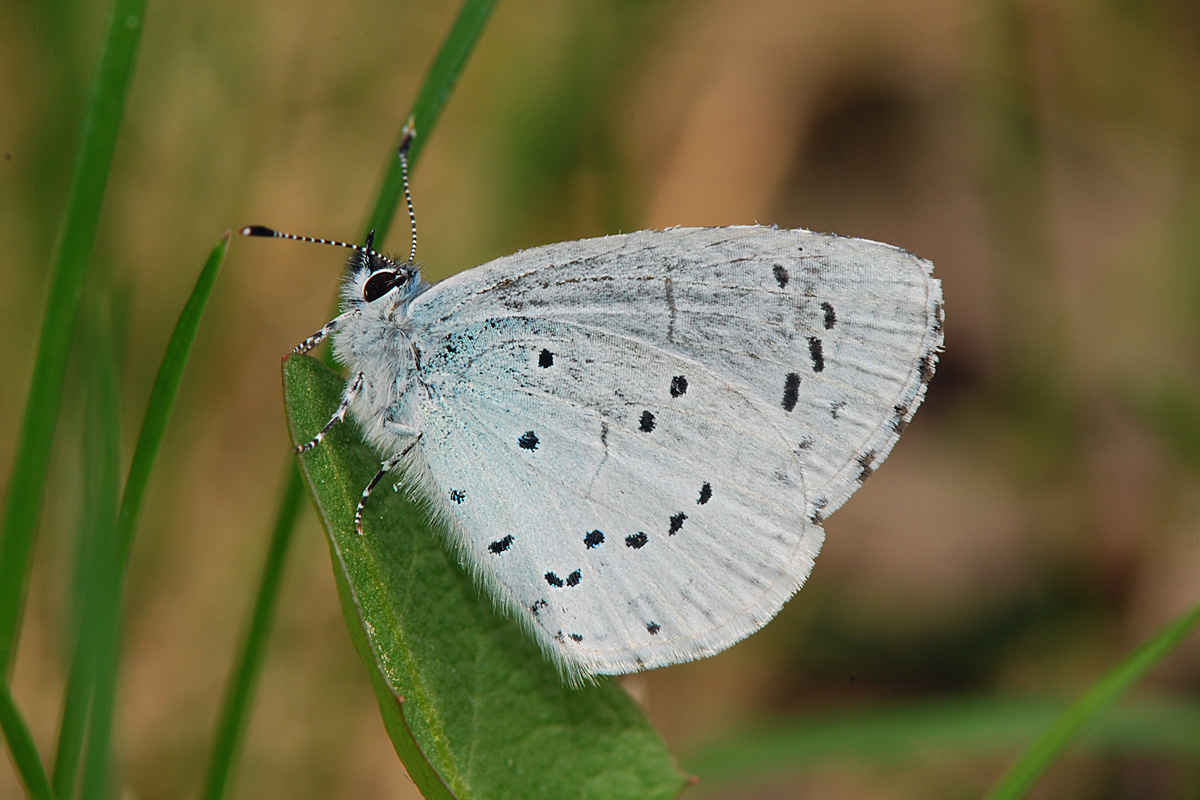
(1023, 776)
(77, 702)
(435, 92)
(959, 727)
(24, 751)
(99, 633)
(97, 756)
(101, 589)
(249, 663)
(162, 396)
(102, 486)
(473, 707)
(433, 96)
(72, 253)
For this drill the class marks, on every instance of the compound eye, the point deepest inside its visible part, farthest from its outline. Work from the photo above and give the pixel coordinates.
(379, 284)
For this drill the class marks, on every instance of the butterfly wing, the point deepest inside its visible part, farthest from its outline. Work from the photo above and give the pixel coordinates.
(637, 435)
(634, 526)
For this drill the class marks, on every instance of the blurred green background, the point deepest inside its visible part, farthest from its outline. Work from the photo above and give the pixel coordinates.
(1040, 517)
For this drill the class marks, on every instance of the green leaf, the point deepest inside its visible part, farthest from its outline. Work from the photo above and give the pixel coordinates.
(1042, 754)
(471, 705)
(72, 253)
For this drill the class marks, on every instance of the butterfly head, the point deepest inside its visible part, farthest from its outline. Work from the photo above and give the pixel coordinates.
(374, 280)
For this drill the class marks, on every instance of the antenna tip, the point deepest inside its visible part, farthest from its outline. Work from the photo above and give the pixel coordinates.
(407, 135)
(257, 230)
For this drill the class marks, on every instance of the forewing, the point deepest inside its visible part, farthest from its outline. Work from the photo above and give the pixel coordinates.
(632, 504)
(839, 337)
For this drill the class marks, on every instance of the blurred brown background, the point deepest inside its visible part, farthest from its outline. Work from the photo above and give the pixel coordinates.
(1039, 519)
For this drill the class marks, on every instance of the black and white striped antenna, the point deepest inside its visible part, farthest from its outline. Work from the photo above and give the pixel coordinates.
(406, 140)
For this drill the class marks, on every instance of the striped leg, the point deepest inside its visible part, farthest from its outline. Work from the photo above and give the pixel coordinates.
(384, 468)
(338, 415)
(328, 328)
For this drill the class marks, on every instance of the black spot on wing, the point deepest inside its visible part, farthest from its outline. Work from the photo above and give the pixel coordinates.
(653, 628)
(647, 423)
(575, 637)
(545, 359)
(457, 496)
(817, 353)
(678, 386)
(538, 606)
(554, 580)
(528, 440)
(781, 275)
(501, 545)
(676, 523)
(594, 539)
(705, 494)
(574, 578)
(791, 391)
(830, 317)
(637, 540)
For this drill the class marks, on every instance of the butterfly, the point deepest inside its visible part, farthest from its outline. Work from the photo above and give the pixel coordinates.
(634, 439)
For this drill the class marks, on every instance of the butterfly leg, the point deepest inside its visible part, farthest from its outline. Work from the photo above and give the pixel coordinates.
(338, 415)
(384, 468)
(403, 432)
(326, 329)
